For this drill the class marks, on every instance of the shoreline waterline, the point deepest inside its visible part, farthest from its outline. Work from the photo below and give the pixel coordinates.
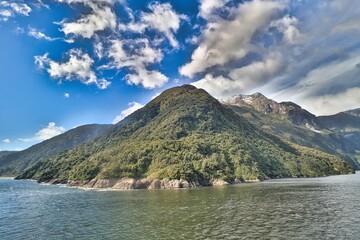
(215, 183)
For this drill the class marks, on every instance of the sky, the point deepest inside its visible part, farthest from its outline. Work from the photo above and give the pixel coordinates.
(65, 63)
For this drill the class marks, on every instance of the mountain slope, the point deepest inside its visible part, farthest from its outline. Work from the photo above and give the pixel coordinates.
(345, 121)
(5, 153)
(347, 127)
(14, 163)
(186, 134)
(285, 110)
(289, 121)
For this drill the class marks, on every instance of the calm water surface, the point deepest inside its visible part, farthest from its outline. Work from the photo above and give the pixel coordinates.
(321, 208)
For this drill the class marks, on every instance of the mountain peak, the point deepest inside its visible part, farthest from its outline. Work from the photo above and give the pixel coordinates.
(258, 95)
(257, 101)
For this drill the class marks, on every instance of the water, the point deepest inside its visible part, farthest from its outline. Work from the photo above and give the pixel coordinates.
(321, 208)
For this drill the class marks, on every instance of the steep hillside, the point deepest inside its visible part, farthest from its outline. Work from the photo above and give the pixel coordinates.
(14, 163)
(186, 134)
(5, 153)
(289, 121)
(348, 121)
(347, 127)
(285, 110)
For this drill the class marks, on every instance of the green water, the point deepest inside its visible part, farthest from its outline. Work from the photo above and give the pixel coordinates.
(322, 208)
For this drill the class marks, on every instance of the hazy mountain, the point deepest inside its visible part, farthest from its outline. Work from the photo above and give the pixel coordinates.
(4, 153)
(14, 163)
(289, 121)
(348, 121)
(186, 134)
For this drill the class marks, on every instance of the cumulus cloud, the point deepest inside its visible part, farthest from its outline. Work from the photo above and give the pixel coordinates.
(11, 9)
(216, 86)
(148, 79)
(50, 131)
(207, 7)
(288, 27)
(136, 55)
(76, 67)
(7, 141)
(222, 43)
(133, 106)
(162, 18)
(66, 95)
(100, 18)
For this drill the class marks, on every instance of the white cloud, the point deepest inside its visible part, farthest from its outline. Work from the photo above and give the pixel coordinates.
(148, 79)
(207, 7)
(99, 50)
(77, 67)
(47, 132)
(7, 141)
(133, 106)
(88, 2)
(162, 18)
(241, 79)
(66, 95)
(33, 32)
(136, 55)
(217, 86)
(331, 104)
(257, 72)
(347, 26)
(100, 18)
(336, 74)
(288, 27)
(222, 43)
(10, 9)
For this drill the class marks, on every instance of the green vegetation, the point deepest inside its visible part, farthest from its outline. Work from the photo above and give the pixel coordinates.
(340, 143)
(14, 163)
(186, 134)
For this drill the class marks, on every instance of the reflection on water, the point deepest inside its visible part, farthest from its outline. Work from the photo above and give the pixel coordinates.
(322, 208)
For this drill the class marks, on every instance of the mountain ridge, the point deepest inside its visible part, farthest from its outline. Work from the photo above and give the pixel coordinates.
(327, 134)
(185, 134)
(14, 163)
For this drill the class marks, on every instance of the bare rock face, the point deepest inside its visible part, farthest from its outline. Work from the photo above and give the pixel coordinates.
(142, 183)
(72, 183)
(105, 183)
(258, 102)
(90, 184)
(125, 183)
(131, 183)
(219, 182)
(155, 184)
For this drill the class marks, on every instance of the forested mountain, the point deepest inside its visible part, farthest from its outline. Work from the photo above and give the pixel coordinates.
(15, 163)
(338, 134)
(186, 134)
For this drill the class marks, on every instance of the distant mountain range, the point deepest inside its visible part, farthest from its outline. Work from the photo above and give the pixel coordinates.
(190, 138)
(338, 134)
(14, 163)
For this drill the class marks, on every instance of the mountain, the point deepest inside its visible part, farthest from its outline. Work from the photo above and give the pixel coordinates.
(15, 163)
(348, 121)
(4, 153)
(347, 126)
(184, 134)
(289, 121)
(288, 110)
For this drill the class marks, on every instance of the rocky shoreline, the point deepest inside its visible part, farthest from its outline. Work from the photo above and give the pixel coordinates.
(131, 183)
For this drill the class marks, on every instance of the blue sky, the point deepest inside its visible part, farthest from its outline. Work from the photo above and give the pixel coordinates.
(65, 63)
